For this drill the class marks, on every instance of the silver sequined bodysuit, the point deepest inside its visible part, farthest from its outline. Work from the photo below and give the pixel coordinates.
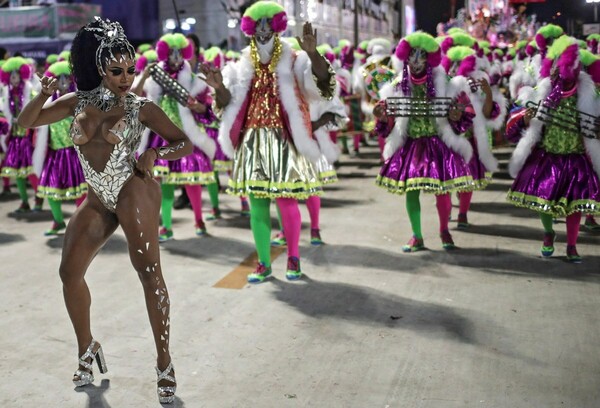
(120, 166)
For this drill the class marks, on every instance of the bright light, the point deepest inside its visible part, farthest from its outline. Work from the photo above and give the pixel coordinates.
(170, 24)
(232, 23)
(190, 20)
(592, 1)
(291, 23)
(185, 26)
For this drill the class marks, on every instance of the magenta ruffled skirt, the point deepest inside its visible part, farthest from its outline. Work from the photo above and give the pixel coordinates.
(62, 177)
(194, 169)
(481, 177)
(426, 164)
(18, 159)
(556, 184)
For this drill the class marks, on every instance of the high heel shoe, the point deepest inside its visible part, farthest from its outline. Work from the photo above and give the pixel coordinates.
(166, 394)
(87, 377)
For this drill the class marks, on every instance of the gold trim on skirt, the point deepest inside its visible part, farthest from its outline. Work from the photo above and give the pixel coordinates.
(268, 166)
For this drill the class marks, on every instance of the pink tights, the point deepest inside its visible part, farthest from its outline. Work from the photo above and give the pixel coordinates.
(464, 202)
(573, 222)
(194, 193)
(313, 203)
(291, 221)
(444, 205)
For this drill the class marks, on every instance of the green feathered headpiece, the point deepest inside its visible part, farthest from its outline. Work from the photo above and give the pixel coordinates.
(324, 48)
(587, 58)
(150, 55)
(559, 46)
(593, 37)
(263, 9)
(51, 59)
(64, 56)
(14, 64)
(462, 39)
(59, 68)
(142, 48)
(212, 53)
(459, 53)
(484, 44)
(456, 30)
(422, 40)
(520, 45)
(550, 31)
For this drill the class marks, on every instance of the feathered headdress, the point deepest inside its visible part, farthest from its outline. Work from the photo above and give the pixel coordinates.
(546, 33)
(564, 52)
(264, 9)
(465, 56)
(175, 41)
(15, 64)
(146, 58)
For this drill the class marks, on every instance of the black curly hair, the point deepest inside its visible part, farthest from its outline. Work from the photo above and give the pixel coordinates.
(83, 56)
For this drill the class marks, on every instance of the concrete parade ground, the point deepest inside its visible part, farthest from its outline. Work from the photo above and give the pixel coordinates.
(490, 324)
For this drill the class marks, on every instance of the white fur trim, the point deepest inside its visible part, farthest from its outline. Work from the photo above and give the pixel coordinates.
(237, 78)
(196, 133)
(456, 142)
(3, 142)
(587, 102)
(286, 80)
(6, 106)
(396, 138)
(40, 149)
(330, 150)
(518, 80)
(303, 73)
(531, 137)
(496, 124)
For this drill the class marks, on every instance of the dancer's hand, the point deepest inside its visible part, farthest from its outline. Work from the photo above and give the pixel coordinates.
(485, 87)
(49, 85)
(308, 42)
(195, 106)
(379, 110)
(213, 76)
(454, 114)
(145, 163)
(529, 114)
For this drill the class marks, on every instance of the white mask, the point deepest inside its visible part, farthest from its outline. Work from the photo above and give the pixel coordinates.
(265, 51)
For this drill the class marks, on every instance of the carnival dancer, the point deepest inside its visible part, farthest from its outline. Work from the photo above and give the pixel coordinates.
(17, 92)
(490, 111)
(266, 126)
(195, 170)
(423, 153)
(55, 158)
(121, 189)
(221, 163)
(556, 170)
(326, 117)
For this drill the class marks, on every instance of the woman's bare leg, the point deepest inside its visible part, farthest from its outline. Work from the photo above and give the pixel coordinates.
(138, 214)
(88, 230)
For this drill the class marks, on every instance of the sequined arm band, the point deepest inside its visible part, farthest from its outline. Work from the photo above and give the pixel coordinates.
(326, 89)
(165, 150)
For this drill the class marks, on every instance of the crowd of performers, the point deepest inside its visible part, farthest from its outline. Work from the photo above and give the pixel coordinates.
(276, 117)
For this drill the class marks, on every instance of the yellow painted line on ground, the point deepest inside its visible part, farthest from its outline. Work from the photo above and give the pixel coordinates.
(236, 279)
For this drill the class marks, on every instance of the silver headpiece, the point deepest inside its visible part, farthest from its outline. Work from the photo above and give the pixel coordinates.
(111, 35)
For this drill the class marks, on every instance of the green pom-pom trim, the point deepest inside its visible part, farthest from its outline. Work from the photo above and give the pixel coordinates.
(484, 44)
(463, 39)
(521, 44)
(150, 55)
(324, 48)
(212, 53)
(422, 40)
(582, 44)
(292, 42)
(51, 58)
(263, 9)
(459, 53)
(551, 31)
(440, 39)
(512, 52)
(337, 50)
(175, 41)
(142, 48)
(533, 44)
(65, 55)
(363, 45)
(593, 36)
(13, 64)
(587, 58)
(499, 52)
(559, 46)
(456, 30)
(60, 68)
(344, 43)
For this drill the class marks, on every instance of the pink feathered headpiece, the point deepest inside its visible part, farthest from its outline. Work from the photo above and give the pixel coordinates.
(403, 50)
(466, 67)
(25, 71)
(278, 24)
(174, 41)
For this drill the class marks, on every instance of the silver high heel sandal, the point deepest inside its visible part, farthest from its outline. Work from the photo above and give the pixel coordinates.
(86, 377)
(166, 395)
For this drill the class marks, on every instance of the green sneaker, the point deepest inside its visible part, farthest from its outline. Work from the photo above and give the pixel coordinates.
(414, 244)
(55, 229)
(165, 235)
(447, 242)
(548, 245)
(261, 273)
(279, 240)
(214, 215)
(293, 269)
(572, 255)
(315, 237)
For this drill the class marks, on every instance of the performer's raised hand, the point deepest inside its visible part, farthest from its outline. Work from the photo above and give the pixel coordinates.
(529, 114)
(212, 76)
(485, 86)
(49, 85)
(308, 42)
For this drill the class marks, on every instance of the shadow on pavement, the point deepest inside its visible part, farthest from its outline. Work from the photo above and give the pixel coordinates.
(502, 208)
(498, 261)
(96, 394)
(35, 216)
(368, 257)
(350, 302)
(216, 249)
(525, 232)
(9, 238)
